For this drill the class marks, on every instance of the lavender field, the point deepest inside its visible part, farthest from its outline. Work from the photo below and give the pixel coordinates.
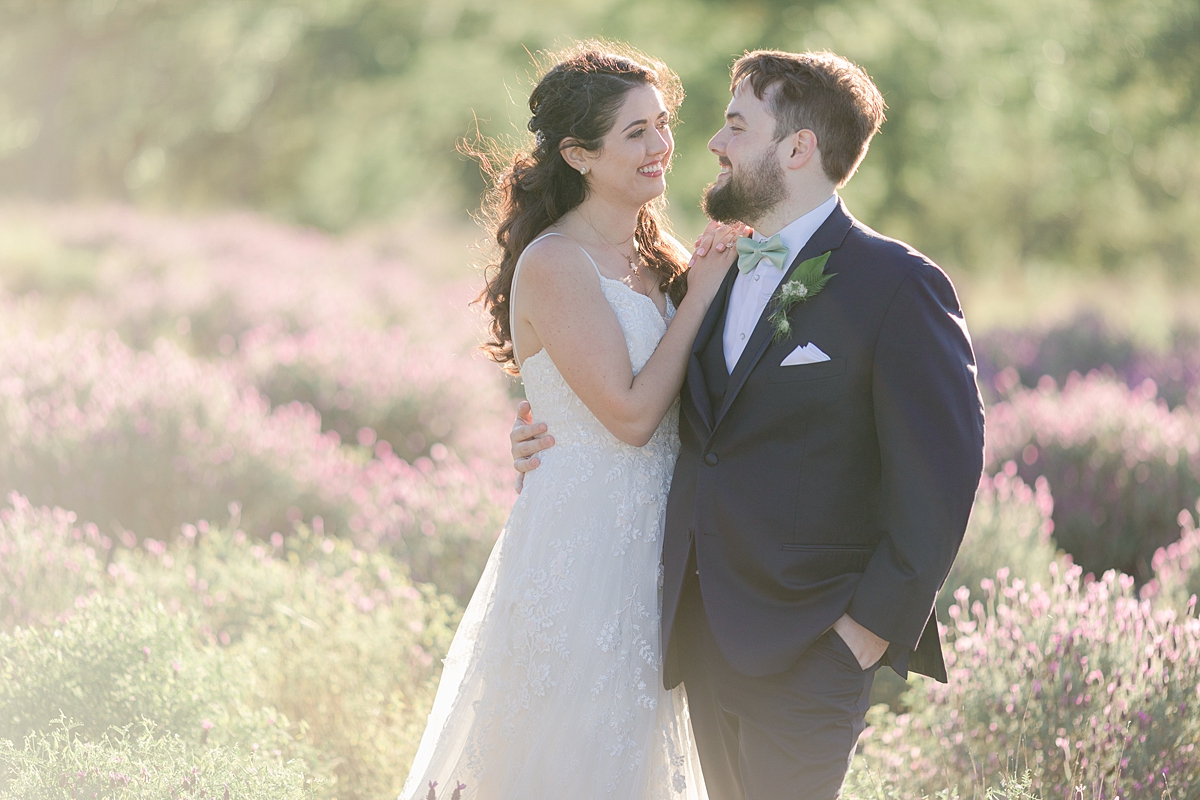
(252, 472)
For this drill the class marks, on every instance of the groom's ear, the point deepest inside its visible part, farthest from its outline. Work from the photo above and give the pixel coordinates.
(800, 149)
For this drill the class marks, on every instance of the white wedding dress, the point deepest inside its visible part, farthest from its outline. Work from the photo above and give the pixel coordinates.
(552, 687)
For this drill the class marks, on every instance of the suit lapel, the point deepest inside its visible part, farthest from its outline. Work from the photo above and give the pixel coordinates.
(696, 384)
(827, 237)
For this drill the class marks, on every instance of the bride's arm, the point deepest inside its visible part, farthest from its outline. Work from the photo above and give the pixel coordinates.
(561, 299)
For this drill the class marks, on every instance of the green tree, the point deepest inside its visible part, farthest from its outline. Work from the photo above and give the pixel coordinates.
(1024, 132)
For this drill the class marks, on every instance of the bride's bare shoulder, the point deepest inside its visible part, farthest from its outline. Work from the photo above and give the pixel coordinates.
(556, 261)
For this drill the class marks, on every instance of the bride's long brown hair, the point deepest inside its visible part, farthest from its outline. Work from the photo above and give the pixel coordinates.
(578, 99)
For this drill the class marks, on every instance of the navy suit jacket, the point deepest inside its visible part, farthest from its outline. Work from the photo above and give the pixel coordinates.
(841, 486)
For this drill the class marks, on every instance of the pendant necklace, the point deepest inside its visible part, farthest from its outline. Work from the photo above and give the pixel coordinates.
(634, 267)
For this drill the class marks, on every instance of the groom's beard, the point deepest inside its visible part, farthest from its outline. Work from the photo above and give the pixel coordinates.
(749, 197)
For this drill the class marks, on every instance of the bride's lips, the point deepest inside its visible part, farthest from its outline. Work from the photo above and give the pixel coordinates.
(652, 170)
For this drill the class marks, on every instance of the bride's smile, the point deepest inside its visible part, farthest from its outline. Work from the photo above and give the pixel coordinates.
(652, 170)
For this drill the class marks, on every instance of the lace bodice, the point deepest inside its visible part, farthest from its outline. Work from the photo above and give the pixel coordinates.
(561, 409)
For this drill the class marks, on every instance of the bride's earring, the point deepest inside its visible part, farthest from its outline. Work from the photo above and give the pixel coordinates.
(583, 170)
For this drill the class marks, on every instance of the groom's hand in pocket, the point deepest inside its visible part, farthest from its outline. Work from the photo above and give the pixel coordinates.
(528, 439)
(866, 646)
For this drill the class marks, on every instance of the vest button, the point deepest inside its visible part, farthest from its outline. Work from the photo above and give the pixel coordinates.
(711, 459)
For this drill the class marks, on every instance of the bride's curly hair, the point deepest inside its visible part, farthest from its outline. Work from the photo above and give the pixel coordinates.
(577, 98)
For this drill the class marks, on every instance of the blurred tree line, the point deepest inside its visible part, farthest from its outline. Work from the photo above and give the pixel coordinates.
(1062, 132)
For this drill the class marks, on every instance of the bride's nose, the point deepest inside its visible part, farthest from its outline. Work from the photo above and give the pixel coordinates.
(659, 143)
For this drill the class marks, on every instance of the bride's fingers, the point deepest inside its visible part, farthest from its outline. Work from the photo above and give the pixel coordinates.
(523, 465)
(726, 241)
(523, 432)
(529, 447)
(727, 236)
(524, 413)
(705, 240)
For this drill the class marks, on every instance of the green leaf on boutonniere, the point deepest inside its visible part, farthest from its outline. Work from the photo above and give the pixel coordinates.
(807, 280)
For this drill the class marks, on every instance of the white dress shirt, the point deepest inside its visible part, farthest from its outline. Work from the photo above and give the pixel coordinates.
(752, 290)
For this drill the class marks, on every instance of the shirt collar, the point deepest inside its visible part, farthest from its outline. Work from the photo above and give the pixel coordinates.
(797, 232)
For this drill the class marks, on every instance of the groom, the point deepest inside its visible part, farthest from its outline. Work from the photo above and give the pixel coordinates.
(830, 447)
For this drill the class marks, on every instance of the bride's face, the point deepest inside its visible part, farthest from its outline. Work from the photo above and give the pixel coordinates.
(631, 165)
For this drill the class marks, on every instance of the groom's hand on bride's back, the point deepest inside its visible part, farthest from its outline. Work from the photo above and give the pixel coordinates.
(528, 439)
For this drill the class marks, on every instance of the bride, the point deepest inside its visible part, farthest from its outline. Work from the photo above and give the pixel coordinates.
(552, 686)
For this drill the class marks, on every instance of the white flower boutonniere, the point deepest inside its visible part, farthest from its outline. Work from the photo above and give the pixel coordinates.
(810, 278)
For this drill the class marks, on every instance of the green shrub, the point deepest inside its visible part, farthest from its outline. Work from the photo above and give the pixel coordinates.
(47, 562)
(862, 784)
(335, 641)
(1090, 689)
(110, 664)
(123, 765)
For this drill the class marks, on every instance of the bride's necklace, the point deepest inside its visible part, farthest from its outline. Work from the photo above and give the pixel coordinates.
(633, 255)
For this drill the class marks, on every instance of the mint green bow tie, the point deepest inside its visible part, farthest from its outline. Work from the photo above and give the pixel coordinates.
(751, 252)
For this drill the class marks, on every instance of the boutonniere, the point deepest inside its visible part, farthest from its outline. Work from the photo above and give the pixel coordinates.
(808, 279)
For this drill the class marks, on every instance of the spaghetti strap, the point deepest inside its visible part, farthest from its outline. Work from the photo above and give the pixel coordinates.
(512, 289)
(589, 255)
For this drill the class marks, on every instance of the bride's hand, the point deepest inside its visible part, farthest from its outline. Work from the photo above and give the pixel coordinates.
(704, 242)
(714, 253)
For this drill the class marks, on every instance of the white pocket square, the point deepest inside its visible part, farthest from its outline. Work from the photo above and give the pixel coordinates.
(804, 354)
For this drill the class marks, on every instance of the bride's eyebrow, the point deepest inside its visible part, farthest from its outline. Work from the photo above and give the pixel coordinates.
(634, 124)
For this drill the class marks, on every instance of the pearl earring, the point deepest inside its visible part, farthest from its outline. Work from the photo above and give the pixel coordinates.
(583, 170)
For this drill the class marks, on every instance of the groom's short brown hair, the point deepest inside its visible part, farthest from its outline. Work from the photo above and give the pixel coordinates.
(821, 92)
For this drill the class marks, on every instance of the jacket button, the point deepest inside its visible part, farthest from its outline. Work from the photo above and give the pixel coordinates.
(711, 459)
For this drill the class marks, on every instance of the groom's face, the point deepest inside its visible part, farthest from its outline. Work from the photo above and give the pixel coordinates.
(751, 181)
